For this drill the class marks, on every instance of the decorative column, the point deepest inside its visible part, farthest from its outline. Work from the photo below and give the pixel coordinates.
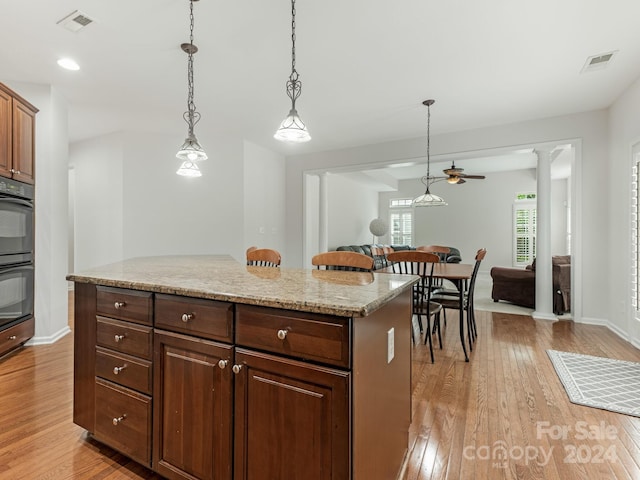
(544, 274)
(323, 214)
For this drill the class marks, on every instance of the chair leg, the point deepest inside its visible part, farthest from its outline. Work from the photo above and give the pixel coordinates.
(437, 322)
(427, 338)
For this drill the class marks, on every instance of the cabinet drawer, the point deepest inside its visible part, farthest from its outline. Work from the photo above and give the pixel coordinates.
(12, 337)
(323, 338)
(123, 420)
(130, 305)
(124, 369)
(124, 337)
(194, 316)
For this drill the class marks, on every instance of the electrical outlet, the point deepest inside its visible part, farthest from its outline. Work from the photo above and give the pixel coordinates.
(390, 345)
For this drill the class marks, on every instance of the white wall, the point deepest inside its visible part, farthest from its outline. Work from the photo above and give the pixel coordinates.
(479, 214)
(591, 173)
(264, 198)
(98, 197)
(351, 208)
(51, 304)
(130, 202)
(624, 132)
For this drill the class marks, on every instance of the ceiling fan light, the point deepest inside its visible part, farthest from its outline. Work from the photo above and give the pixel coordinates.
(453, 179)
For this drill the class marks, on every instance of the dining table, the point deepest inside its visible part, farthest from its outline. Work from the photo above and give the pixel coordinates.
(458, 274)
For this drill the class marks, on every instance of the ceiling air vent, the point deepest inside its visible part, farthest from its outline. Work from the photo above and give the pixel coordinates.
(75, 21)
(598, 62)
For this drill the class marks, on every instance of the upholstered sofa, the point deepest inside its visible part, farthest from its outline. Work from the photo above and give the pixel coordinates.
(518, 285)
(379, 261)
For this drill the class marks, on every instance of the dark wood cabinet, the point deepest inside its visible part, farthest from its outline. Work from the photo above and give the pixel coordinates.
(193, 407)
(291, 419)
(16, 335)
(213, 390)
(17, 136)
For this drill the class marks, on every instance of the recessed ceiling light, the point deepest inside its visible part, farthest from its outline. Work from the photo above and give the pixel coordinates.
(68, 64)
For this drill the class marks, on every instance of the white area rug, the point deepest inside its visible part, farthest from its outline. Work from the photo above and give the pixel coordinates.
(599, 382)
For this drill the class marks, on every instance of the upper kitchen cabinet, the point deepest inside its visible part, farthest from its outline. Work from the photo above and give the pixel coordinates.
(17, 136)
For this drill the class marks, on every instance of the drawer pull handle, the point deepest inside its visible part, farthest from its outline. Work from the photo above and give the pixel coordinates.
(12, 337)
(119, 305)
(282, 334)
(119, 420)
(236, 369)
(222, 364)
(188, 316)
(119, 338)
(117, 370)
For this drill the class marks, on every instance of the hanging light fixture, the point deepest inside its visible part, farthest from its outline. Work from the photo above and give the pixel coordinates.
(292, 128)
(190, 151)
(428, 199)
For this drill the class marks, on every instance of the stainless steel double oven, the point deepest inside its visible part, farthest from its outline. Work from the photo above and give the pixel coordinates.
(16, 252)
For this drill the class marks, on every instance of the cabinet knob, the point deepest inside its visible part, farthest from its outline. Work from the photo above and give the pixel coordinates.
(12, 337)
(118, 305)
(222, 364)
(119, 338)
(188, 316)
(236, 369)
(117, 370)
(119, 420)
(282, 334)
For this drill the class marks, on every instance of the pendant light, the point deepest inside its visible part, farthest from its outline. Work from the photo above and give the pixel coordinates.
(428, 199)
(292, 129)
(190, 151)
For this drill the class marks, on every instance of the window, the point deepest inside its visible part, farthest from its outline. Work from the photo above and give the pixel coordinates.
(401, 221)
(524, 229)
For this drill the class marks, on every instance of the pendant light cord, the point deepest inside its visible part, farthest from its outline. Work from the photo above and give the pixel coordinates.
(294, 86)
(428, 139)
(191, 116)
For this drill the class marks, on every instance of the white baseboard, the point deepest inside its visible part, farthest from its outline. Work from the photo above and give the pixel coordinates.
(50, 339)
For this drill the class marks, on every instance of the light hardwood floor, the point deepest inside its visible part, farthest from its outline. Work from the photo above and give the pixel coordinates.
(462, 412)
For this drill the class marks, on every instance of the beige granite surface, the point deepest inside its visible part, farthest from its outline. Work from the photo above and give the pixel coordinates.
(220, 277)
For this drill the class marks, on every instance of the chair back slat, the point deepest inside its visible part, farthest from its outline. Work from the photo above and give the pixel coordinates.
(343, 260)
(263, 257)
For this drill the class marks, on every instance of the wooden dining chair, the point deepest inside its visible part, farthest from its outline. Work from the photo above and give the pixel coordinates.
(442, 252)
(343, 260)
(450, 299)
(415, 262)
(263, 257)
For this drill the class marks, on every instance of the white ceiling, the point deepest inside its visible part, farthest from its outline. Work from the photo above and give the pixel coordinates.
(365, 65)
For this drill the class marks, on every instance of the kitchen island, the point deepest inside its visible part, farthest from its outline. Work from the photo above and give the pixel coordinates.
(201, 367)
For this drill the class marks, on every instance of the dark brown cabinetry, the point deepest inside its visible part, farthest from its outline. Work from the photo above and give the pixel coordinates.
(122, 365)
(193, 407)
(13, 337)
(205, 389)
(17, 136)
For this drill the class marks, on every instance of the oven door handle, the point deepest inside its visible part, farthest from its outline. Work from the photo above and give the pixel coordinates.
(19, 201)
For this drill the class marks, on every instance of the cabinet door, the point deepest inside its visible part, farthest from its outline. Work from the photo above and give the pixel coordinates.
(291, 420)
(192, 407)
(24, 123)
(5, 133)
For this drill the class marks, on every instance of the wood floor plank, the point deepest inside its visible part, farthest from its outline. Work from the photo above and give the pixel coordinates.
(508, 395)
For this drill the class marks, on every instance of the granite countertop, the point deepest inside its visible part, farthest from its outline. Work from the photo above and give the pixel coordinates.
(220, 277)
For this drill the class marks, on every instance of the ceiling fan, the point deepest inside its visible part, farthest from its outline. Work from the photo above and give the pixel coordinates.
(456, 175)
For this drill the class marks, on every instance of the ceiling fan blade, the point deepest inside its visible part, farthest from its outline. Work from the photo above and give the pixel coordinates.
(460, 181)
(477, 177)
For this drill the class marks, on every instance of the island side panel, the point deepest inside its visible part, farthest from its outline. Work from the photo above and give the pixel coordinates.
(381, 390)
(84, 349)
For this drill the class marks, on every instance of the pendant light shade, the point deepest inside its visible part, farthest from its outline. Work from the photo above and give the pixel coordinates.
(191, 151)
(428, 199)
(292, 129)
(189, 169)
